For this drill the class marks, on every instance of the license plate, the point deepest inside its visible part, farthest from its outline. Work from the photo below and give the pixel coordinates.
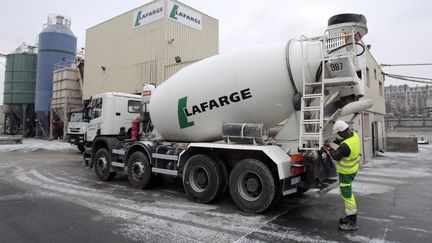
(295, 180)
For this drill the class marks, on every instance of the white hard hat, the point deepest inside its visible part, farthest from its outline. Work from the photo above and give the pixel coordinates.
(339, 126)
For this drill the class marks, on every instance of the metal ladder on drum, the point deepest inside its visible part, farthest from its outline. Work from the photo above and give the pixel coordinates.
(312, 121)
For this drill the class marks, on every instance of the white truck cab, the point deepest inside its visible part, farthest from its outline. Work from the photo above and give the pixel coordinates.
(77, 127)
(112, 114)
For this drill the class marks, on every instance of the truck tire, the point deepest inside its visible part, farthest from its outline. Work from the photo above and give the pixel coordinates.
(224, 177)
(139, 170)
(81, 148)
(102, 165)
(253, 186)
(203, 178)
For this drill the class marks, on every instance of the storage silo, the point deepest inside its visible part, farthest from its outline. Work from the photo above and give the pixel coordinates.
(56, 43)
(19, 91)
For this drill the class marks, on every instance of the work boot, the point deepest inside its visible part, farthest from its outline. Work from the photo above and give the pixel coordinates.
(349, 224)
(343, 220)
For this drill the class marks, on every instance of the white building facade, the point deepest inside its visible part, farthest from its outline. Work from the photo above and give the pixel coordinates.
(370, 123)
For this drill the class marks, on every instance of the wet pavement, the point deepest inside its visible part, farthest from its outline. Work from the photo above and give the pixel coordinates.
(49, 196)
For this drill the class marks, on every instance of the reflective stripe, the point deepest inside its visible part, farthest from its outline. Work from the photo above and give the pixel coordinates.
(351, 208)
(350, 160)
(344, 184)
(350, 205)
(347, 166)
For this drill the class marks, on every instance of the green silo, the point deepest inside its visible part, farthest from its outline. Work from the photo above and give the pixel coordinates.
(19, 92)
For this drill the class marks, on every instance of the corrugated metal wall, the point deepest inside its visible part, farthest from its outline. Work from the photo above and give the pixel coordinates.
(20, 79)
(66, 89)
(132, 56)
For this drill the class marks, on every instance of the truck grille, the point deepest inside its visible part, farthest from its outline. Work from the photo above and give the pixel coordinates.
(74, 129)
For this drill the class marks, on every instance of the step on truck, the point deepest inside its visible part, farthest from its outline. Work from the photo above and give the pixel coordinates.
(209, 123)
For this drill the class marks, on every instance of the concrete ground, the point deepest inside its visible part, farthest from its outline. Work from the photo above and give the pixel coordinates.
(47, 195)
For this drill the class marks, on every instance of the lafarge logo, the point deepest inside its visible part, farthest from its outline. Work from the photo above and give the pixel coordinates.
(175, 12)
(148, 14)
(185, 112)
(184, 16)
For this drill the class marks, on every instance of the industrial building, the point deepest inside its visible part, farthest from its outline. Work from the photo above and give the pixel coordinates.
(56, 44)
(19, 91)
(146, 45)
(29, 78)
(406, 101)
(370, 123)
(66, 94)
(409, 107)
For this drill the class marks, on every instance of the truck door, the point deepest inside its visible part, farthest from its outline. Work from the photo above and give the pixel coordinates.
(96, 119)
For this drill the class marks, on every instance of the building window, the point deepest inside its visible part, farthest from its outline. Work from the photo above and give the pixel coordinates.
(381, 89)
(375, 74)
(367, 77)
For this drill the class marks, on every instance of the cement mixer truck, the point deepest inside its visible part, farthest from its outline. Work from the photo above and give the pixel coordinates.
(213, 123)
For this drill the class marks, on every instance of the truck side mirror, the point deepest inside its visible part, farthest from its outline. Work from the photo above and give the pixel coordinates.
(88, 114)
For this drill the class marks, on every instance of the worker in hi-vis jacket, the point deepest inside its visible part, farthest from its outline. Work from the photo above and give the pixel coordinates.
(347, 156)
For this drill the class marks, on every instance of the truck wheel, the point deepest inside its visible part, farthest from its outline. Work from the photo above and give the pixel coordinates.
(81, 148)
(139, 170)
(102, 164)
(224, 177)
(252, 186)
(202, 178)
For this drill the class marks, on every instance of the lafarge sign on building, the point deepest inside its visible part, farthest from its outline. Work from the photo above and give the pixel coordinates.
(176, 12)
(184, 16)
(148, 14)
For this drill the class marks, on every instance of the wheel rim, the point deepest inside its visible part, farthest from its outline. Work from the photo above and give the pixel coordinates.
(250, 186)
(102, 165)
(198, 178)
(137, 170)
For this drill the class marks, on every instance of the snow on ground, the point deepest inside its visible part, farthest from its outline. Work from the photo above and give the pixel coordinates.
(365, 183)
(32, 144)
(142, 220)
(150, 213)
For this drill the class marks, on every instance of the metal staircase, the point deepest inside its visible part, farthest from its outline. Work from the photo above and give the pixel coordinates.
(338, 55)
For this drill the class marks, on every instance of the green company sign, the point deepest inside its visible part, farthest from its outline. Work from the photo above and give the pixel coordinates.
(184, 15)
(148, 14)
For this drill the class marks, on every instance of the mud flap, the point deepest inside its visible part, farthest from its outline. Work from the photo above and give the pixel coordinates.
(320, 169)
(328, 168)
(87, 156)
(320, 172)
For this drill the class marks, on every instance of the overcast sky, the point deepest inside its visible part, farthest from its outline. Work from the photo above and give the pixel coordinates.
(399, 31)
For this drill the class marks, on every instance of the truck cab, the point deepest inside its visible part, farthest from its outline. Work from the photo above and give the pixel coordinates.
(77, 128)
(111, 114)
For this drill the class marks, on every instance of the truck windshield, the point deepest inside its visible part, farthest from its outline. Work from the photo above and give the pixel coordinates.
(76, 117)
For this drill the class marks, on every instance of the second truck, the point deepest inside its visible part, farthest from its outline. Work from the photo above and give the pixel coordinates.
(213, 123)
